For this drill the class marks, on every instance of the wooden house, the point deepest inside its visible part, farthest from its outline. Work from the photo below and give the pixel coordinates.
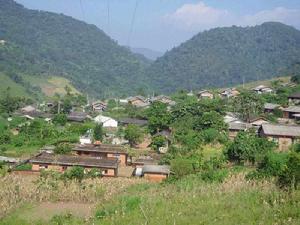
(138, 101)
(156, 173)
(270, 107)
(103, 151)
(99, 106)
(294, 98)
(204, 94)
(163, 99)
(77, 116)
(289, 112)
(283, 135)
(60, 163)
(138, 122)
(235, 128)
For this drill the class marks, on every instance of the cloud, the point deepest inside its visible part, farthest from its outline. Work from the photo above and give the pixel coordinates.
(197, 15)
(200, 16)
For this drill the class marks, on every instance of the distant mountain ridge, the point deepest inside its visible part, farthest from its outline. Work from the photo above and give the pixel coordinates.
(48, 44)
(227, 56)
(148, 53)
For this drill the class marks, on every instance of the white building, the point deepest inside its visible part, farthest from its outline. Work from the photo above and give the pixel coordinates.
(106, 121)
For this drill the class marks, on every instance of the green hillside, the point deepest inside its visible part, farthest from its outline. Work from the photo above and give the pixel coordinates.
(47, 44)
(226, 57)
(16, 89)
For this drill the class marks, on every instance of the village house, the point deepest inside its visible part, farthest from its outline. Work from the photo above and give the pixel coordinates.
(262, 89)
(294, 98)
(60, 163)
(235, 128)
(163, 99)
(289, 112)
(139, 163)
(138, 101)
(138, 122)
(258, 122)
(270, 107)
(204, 94)
(77, 116)
(99, 106)
(229, 93)
(155, 173)
(231, 118)
(283, 135)
(103, 151)
(106, 122)
(2, 42)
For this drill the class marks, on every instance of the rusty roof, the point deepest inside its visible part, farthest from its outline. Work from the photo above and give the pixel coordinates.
(70, 160)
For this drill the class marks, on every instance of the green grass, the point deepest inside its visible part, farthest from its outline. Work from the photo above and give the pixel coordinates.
(15, 89)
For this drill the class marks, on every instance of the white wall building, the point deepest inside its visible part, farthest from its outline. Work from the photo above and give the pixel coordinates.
(106, 121)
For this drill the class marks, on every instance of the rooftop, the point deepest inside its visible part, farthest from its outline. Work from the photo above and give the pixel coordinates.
(133, 121)
(271, 106)
(239, 126)
(70, 160)
(157, 169)
(281, 130)
(103, 148)
(295, 95)
(293, 109)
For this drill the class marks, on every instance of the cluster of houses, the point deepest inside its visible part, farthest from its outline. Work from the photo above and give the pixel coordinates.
(285, 132)
(111, 160)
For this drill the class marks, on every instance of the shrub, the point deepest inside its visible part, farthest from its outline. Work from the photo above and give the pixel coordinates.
(5, 138)
(94, 173)
(290, 176)
(209, 135)
(63, 148)
(158, 141)
(213, 175)
(60, 119)
(182, 167)
(76, 172)
(24, 167)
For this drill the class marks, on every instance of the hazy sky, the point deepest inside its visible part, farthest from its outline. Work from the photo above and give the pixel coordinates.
(163, 24)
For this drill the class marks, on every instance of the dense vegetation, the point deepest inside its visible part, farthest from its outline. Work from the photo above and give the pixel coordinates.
(227, 56)
(43, 44)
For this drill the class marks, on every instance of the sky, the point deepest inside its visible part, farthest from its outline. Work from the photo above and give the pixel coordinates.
(163, 24)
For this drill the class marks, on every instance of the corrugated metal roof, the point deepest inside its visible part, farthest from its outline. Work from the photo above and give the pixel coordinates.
(281, 130)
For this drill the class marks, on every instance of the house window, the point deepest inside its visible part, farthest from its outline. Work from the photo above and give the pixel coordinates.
(43, 166)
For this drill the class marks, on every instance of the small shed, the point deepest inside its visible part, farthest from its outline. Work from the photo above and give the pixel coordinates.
(156, 173)
(270, 107)
(289, 112)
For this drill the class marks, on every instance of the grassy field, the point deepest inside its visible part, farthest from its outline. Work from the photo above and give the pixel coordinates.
(52, 85)
(187, 201)
(15, 89)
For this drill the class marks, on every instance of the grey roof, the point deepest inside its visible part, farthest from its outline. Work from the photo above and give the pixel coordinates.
(239, 126)
(133, 121)
(103, 148)
(157, 169)
(8, 159)
(77, 116)
(271, 106)
(295, 95)
(281, 130)
(292, 109)
(69, 160)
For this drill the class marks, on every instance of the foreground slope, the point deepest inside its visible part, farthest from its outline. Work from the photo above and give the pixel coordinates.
(227, 56)
(42, 44)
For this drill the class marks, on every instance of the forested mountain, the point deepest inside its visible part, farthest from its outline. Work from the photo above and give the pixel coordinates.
(148, 53)
(227, 56)
(47, 44)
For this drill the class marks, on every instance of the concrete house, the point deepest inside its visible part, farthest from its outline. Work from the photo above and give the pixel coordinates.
(103, 151)
(155, 173)
(106, 121)
(283, 135)
(60, 163)
(204, 94)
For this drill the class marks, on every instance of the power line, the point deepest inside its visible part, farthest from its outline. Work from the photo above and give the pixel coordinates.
(82, 10)
(132, 23)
